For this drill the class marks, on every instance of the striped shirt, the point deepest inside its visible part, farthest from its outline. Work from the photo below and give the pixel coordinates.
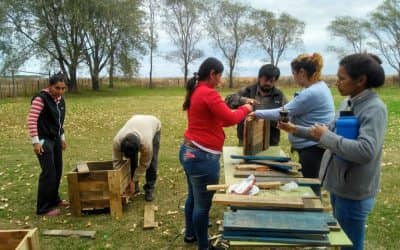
(33, 117)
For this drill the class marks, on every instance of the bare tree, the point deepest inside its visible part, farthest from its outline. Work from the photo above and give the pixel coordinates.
(385, 30)
(227, 24)
(182, 20)
(352, 31)
(151, 36)
(275, 34)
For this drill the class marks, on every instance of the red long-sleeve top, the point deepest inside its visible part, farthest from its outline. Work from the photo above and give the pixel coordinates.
(207, 115)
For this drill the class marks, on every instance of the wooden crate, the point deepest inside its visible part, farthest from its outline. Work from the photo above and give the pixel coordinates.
(21, 239)
(101, 187)
(256, 135)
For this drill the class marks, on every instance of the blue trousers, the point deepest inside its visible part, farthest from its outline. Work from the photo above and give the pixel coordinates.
(352, 216)
(202, 169)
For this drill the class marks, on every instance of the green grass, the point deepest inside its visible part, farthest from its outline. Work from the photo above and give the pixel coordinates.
(93, 118)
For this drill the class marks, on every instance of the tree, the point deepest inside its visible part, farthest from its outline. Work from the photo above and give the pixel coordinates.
(182, 20)
(384, 27)
(53, 28)
(352, 31)
(227, 25)
(152, 9)
(109, 22)
(274, 34)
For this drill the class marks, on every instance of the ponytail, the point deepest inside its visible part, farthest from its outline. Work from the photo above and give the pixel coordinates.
(190, 87)
(312, 65)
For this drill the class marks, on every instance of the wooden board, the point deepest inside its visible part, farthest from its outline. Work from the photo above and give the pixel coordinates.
(149, 217)
(272, 173)
(261, 185)
(278, 221)
(82, 167)
(261, 157)
(262, 202)
(294, 165)
(307, 242)
(66, 233)
(19, 239)
(256, 135)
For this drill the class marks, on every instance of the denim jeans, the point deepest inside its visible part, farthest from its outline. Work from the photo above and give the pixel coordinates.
(202, 169)
(352, 216)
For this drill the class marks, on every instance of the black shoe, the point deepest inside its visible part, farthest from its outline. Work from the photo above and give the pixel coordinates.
(148, 196)
(189, 239)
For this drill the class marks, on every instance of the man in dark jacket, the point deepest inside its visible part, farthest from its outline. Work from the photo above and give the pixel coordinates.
(264, 95)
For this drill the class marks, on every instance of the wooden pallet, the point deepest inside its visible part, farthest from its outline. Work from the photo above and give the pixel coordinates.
(21, 239)
(101, 187)
(256, 135)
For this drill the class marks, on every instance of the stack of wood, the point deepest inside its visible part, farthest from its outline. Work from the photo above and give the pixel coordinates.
(309, 228)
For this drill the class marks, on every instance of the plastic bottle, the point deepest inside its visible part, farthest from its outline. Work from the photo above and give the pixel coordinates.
(347, 125)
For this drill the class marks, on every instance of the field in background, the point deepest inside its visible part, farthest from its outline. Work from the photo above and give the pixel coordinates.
(30, 85)
(93, 118)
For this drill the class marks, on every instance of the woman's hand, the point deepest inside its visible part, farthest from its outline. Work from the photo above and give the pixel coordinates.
(38, 149)
(287, 126)
(250, 101)
(252, 116)
(249, 107)
(317, 130)
(63, 145)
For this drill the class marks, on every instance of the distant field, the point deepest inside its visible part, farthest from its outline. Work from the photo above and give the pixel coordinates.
(93, 118)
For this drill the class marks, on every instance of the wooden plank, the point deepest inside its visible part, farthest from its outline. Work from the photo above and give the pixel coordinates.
(73, 192)
(293, 164)
(82, 167)
(19, 239)
(65, 233)
(279, 166)
(250, 167)
(312, 203)
(93, 176)
(94, 195)
(93, 185)
(261, 157)
(253, 136)
(284, 180)
(261, 185)
(33, 239)
(99, 165)
(305, 242)
(95, 204)
(258, 201)
(149, 217)
(115, 195)
(272, 173)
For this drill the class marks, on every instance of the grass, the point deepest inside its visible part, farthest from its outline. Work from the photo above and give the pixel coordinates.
(93, 118)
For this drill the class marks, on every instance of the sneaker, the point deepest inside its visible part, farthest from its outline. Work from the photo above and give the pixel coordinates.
(54, 212)
(63, 203)
(148, 196)
(189, 239)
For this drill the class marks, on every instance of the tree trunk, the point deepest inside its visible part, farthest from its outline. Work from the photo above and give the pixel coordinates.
(151, 69)
(95, 80)
(111, 72)
(398, 76)
(186, 74)
(72, 81)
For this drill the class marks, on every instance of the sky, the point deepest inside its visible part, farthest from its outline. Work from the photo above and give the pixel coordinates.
(317, 14)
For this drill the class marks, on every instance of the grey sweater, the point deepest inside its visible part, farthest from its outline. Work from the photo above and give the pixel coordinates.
(355, 175)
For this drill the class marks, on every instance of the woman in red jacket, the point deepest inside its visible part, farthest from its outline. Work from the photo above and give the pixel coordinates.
(207, 114)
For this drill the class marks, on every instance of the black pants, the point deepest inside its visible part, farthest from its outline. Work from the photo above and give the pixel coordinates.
(310, 160)
(49, 179)
(151, 172)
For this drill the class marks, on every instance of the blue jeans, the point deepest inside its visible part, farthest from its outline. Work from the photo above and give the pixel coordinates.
(202, 169)
(352, 216)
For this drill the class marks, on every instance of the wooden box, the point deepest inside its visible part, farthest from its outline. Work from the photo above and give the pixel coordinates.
(23, 239)
(101, 187)
(255, 136)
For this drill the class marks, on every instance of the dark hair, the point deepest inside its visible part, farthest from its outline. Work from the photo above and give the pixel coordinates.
(312, 64)
(130, 145)
(205, 69)
(269, 71)
(57, 77)
(369, 65)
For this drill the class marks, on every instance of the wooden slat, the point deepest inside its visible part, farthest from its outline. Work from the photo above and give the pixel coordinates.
(80, 233)
(262, 185)
(300, 181)
(93, 185)
(258, 201)
(115, 195)
(95, 204)
(313, 203)
(21, 239)
(272, 173)
(93, 176)
(149, 217)
(292, 164)
(253, 136)
(251, 167)
(73, 192)
(94, 195)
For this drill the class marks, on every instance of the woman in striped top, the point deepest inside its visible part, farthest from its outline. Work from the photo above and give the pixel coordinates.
(45, 124)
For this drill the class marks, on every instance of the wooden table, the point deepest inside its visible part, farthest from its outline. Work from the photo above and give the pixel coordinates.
(337, 239)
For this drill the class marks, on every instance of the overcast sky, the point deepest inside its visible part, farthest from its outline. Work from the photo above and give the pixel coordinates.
(317, 14)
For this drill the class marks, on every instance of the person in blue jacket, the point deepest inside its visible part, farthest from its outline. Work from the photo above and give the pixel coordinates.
(351, 168)
(313, 104)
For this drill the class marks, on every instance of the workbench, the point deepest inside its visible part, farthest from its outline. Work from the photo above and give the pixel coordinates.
(337, 239)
